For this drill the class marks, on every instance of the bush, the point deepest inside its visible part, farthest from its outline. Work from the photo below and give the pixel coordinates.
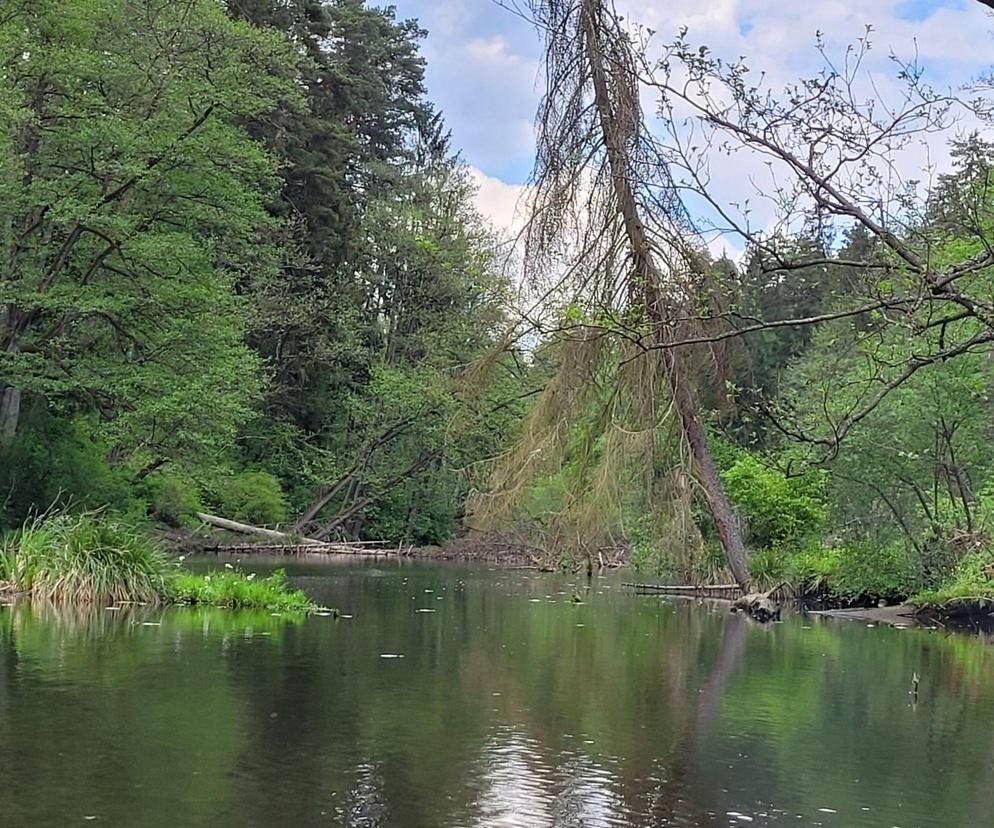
(83, 558)
(866, 570)
(172, 499)
(254, 497)
(231, 588)
(778, 510)
(853, 571)
(972, 578)
(56, 460)
(770, 567)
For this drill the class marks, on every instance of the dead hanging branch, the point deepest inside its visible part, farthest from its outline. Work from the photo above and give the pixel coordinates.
(606, 212)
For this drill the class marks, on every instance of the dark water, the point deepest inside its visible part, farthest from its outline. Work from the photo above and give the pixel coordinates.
(511, 706)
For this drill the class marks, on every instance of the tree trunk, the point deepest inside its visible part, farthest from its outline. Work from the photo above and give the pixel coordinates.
(247, 528)
(10, 413)
(648, 271)
(322, 500)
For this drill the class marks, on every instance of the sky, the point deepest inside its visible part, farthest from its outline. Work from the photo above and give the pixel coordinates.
(483, 61)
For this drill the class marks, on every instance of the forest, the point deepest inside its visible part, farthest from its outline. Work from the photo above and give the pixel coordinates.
(243, 274)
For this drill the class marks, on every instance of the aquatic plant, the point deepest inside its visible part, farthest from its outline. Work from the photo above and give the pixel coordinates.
(83, 558)
(233, 588)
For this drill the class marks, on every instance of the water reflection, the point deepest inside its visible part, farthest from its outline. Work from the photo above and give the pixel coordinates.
(512, 707)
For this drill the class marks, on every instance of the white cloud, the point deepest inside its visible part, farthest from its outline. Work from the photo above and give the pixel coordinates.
(501, 203)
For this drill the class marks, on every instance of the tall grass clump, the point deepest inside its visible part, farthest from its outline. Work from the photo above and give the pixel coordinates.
(83, 558)
(234, 589)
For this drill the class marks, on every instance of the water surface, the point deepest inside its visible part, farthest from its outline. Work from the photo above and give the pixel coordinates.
(454, 697)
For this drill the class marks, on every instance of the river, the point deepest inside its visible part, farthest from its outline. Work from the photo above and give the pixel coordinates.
(449, 696)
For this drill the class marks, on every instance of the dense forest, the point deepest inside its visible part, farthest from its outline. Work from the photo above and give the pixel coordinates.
(242, 269)
(243, 274)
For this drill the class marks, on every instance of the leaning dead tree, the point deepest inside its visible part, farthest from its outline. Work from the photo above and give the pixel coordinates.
(607, 219)
(615, 96)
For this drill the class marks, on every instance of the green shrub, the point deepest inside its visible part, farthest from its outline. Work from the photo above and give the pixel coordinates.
(770, 567)
(854, 571)
(710, 566)
(972, 578)
(172, 499)
(253, 497)
(235, 589)
(864, 570)
(777, 509)
(813, 566)
(83, 558)
(55, 460)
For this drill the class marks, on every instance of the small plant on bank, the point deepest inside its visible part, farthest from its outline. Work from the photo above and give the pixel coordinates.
(235, 589)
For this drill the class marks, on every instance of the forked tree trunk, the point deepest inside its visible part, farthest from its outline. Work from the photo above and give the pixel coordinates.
(648, 271)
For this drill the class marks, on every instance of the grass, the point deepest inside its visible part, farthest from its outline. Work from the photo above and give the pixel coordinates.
(236, 590)
(83, 558)
(91, 558)
(971, 580)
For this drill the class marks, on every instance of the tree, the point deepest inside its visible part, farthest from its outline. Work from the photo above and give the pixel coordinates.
(637, 246)
(132, 202)
(924, 270)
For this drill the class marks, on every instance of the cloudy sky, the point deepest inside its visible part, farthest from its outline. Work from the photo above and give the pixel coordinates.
(483, 60)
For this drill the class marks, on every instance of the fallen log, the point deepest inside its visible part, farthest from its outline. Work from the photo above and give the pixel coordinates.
(726, 591)
(248, 529)
(296, 549)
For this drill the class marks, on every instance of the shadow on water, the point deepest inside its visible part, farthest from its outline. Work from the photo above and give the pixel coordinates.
(454, 697)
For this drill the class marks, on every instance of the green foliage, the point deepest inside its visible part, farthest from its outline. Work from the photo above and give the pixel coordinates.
(253, 497)
(973, 577)
(860, 570)
(91, 558)
(59, 460)
(851, 572)
(237, 242)
(83, 558)
(132, 209)
(777, 509)
(173, 498)
(234, 589)
(770, 567)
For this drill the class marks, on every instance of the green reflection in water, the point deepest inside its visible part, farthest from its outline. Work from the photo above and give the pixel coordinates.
(510, 706)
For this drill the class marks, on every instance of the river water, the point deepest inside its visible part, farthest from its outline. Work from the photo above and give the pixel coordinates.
(459, 697)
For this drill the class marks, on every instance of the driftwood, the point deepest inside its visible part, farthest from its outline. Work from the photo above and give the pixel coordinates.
(299, 549)
(727, 591)
(759, 606)
(248, 529)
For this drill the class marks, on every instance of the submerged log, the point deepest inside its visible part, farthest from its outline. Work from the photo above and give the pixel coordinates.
(759, 605)
(725, 591)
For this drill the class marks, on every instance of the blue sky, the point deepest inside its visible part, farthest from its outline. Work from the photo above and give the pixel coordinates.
(483, 61)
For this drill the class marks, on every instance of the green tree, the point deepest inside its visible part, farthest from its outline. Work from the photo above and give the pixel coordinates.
(133, 200)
